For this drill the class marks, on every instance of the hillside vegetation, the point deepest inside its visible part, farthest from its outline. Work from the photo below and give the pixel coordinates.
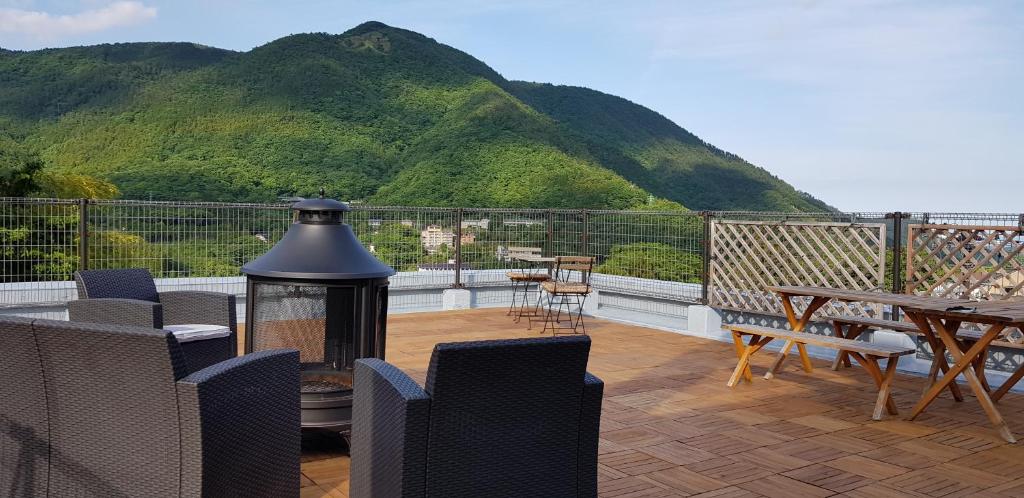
(377, 113)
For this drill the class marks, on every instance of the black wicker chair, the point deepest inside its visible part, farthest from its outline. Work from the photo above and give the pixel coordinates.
(113, 411)
(129, 297)
(507, 418)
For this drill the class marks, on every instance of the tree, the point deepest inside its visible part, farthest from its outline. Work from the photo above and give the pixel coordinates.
(18, 169)
(653, 260)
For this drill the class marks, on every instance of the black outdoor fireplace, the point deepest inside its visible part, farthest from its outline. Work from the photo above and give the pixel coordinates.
(320, 292)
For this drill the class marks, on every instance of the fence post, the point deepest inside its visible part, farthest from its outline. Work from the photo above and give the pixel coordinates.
(705, 257)
(458, 248)
(548, 249)
(586, 232)
(896, 271)
(83, 234)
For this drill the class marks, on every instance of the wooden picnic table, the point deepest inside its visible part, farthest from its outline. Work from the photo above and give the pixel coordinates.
(938, 319)
(943, 322)
(820, 296)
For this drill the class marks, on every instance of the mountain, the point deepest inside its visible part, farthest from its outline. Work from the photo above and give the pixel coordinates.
(377, 113)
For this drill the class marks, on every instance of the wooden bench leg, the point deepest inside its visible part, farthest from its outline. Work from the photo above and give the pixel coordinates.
(756, 344)
(737, 340)
(885, 390)
(870, 364)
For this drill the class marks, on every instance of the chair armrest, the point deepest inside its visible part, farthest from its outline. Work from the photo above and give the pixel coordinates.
(590, 428)
(241, 426)
(117, 312)
(211, 308)
(390, 415)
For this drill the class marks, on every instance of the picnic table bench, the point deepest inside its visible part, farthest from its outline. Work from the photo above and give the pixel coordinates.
(866, 354)
(856, 325)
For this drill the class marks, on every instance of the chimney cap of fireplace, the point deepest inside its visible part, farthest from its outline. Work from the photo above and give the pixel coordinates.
(318, 246)
(320, 204)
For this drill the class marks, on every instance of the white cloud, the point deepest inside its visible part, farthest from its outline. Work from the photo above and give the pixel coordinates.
(44, 25)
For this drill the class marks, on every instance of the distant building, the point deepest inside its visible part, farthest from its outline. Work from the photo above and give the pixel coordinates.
(520, 222)
(482, 223)
(468, 238)
(406, 223)
(375, 222)
(433, 236)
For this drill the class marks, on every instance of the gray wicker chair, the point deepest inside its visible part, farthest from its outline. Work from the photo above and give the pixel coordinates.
(104, 410)
(507, 418)
(129, 297)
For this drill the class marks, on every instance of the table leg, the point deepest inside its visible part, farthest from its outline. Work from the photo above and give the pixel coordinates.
(852, 332)
(979, 369)
(964, 361)
(797, 325)
(938, 356)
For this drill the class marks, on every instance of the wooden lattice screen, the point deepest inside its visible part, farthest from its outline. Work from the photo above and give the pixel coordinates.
(748, 256)
(964, 261)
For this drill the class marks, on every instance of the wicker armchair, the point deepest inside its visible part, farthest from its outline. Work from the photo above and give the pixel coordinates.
(129, 297)
(505, 418)
(104, 410)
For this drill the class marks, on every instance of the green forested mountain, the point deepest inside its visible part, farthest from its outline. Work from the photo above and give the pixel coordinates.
(376, 113)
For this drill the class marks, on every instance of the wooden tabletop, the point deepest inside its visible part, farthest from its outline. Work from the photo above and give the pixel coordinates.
(902, 300)
(535, 259)
(1010, 313)
(1005, 312)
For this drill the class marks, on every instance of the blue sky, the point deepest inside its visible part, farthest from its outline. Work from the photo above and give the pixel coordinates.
(870, 105)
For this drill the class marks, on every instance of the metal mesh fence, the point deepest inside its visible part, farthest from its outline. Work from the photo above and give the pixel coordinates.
(978, 219)
(38, 251)
(419, 243)
(492, 239)
(658, 256)
(651, 254)
(187, 245)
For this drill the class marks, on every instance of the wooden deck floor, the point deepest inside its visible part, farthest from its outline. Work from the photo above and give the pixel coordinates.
(670, 427)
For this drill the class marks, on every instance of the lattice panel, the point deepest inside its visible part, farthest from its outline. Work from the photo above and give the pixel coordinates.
(965, 261)
(747, 257)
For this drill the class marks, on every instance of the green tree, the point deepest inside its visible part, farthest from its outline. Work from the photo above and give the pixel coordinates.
(652, 260)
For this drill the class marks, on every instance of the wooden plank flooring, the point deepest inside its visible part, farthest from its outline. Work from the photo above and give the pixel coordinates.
(671, 428)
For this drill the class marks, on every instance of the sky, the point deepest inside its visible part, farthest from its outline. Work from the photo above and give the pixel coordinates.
(870, 105)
